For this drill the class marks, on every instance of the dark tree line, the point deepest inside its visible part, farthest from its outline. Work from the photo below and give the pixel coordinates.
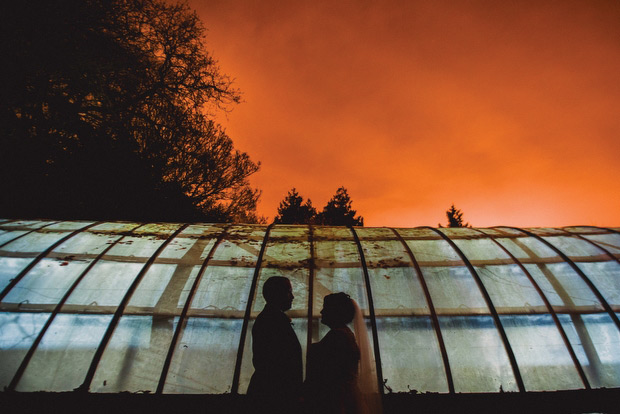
(337, 211)
(106, 113)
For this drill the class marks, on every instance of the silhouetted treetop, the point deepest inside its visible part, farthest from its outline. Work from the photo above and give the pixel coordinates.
(105, 112)
(455, 217)
(338, 211)
(293, 210)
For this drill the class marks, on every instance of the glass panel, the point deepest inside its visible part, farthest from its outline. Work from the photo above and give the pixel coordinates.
(455, 233)
(376, 233)
(574, 247)
(332, 233)
(606, 277)
(17, 333)
(11, 267)
(190, 249)
(336, 253)
(46, 283)
(239, 249)
(491, 232)
(596, 341)
(582, 230)
(135, 355)
(397, 291)
(527, 248)
(103, 287)
(347, 280)
(7, 236)
(410, 355)
(26, 224)
(136, 246)
(610, 242)
(454, 290)
(86, 243)
(563, 287)
(69, 225)
(510, 289)
(477, 356)
(481, 249)
(204, 359)
(434, 252)
(385, 253)
(154, 283)
(418, 233)
(114, 227)
(63, 357)
(34, 242)
(544, 231)
(543, 359)
(224, 291)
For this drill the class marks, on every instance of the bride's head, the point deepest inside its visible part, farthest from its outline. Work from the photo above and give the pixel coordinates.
(338, 310)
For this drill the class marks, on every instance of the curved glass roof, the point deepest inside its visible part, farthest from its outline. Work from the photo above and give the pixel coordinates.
(168, 308)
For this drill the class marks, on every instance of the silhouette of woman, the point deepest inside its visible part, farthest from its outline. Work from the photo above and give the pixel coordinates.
(334, 384)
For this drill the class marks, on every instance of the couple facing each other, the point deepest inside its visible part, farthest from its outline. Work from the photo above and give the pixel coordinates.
(339, 377)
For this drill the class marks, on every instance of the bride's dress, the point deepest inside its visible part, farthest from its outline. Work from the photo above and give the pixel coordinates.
(334, 384)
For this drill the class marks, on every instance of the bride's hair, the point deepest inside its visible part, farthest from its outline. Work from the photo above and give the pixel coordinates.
(342, 305)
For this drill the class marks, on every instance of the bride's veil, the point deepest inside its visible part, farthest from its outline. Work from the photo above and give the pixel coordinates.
(367, 379)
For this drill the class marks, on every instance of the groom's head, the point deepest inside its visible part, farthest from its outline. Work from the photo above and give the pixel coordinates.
(278, 292)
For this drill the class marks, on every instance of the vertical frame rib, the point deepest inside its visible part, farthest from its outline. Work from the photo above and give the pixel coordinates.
(487, 298)
(554, 316)
(183, 316)
(35, 344)
(576, 268)
(429, 300)
(121, 308)
(371, 309)
(310, 286)
(234, 389)
(40, 257)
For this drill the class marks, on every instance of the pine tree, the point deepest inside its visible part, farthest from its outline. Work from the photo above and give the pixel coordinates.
(338, 211)
(455, 217)
(293, 210)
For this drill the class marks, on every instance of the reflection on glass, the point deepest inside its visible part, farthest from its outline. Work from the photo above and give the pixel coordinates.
(410, 355)
(135, 355)
(541, 354)
(596, 341)
(477, 356)
(63, 357)
(17, 334)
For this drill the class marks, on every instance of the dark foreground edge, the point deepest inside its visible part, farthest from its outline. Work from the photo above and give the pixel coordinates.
(582, 401)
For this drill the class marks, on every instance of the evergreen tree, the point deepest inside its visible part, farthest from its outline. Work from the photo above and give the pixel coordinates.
(338, 211)
(455, 217)
(293, 210)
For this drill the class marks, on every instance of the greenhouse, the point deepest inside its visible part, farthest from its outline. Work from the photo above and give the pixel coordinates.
(167, 308)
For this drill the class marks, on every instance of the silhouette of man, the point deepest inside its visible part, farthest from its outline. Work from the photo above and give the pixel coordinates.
(276, 383)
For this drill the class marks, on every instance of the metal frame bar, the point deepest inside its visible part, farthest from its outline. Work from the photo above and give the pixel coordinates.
(429, 300)
(577, 270)
(183, 316)
(41, 255)
(494, 314)
(26, 233)
(234, 389)
(121, 307)
(371, 309)
(310, 286)
(56, 311)
(554, 316)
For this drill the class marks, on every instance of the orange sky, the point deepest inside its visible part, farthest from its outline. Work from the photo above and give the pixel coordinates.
(510, 110)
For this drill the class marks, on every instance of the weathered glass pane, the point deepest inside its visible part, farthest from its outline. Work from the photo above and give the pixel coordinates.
(410, 355)
(434, 252)
(223, 290)
(397, 291)
(46, 283)
(156, 281)
(543, 359)
(610, 242)
(17, 334)
(7, 236)
(563, 287)
(510, 289)
(34, 242)
(135, 355)
(596, 341)
(477, 356)
(86, 243)
(11, 267)
(524, 248)
(574, 247)
(606, 277)
(481, 250)
(63, 357)
(454, 290)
